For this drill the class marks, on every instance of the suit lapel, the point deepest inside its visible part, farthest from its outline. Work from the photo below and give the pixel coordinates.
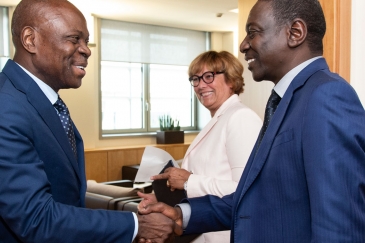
(201, 135)
(50, 117)
(257, 161)
(211, 123)
(41, 104)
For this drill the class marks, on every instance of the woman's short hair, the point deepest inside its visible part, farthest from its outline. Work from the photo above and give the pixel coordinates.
(220, 62)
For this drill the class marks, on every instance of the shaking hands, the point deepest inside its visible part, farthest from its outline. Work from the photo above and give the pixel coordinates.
(157, 221)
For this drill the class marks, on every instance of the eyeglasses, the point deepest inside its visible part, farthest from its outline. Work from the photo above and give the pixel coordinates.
(207, 77)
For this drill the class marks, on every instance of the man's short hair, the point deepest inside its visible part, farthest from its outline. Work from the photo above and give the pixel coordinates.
(310, 11)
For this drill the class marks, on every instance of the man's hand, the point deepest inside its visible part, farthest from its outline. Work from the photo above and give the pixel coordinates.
(156, 228)
(147, 200)
(175, 177)
(173, 213)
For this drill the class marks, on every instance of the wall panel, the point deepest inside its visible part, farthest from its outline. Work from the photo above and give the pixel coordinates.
(106, 164)
(337, 41)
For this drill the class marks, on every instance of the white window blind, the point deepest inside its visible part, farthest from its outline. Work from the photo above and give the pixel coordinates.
(141, 43)
(4, 36)
(144, 76)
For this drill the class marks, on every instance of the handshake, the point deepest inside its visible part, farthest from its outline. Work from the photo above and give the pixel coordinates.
(157, 221)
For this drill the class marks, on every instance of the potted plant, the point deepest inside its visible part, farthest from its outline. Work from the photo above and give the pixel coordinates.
(169, 131)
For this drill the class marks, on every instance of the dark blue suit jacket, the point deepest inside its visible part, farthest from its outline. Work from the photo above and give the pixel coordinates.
(307, 180)
(42, 184)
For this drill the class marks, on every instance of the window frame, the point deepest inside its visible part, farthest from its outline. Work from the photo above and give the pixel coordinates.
(5, 36)
(147, 129)
(193, 106)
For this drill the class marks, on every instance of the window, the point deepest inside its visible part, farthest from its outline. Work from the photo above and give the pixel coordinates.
(4, 36)
(144, 76)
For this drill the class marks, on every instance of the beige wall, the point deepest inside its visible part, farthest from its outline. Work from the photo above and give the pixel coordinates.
(226, 41)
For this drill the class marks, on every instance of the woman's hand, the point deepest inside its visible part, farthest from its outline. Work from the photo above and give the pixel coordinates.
(176, 177)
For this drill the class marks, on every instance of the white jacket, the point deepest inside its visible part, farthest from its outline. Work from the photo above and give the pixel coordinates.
(219, 153)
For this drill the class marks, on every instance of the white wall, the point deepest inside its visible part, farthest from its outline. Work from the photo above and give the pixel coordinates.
(357, 78)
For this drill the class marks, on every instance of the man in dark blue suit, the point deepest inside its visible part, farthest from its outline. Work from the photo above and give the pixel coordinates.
(305, 178)
(42, 175)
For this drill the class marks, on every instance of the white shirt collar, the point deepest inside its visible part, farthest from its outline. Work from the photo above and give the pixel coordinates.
(48, 91)
(281, 87)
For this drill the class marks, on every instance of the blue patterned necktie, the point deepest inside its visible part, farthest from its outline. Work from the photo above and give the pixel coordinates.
(66, 122)
(271, 106)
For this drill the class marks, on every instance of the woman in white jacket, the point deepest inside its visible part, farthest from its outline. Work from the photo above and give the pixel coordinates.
(214, 162)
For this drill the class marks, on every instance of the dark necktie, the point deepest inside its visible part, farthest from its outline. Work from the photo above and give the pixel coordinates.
(66, 122)
(271, 106)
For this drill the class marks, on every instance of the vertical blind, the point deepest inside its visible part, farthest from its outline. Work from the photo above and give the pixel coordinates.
(142, 43)
(4, 32)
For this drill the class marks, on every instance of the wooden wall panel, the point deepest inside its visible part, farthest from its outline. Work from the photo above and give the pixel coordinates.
(337, 41)
(96, 165)
(118, 158)
(329, 40)
(177, 152)
(106, 164)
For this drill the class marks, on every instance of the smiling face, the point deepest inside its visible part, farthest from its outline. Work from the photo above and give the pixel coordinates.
(213, 95)
(61, 51)
(265, 46)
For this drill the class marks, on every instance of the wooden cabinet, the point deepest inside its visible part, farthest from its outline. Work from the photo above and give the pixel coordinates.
(105, 164)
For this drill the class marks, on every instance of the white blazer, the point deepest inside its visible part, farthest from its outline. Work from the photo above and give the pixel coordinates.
(219, 153)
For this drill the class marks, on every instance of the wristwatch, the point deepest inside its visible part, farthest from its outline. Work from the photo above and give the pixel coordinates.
(185, 185)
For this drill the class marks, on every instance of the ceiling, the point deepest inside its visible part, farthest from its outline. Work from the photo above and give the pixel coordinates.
(188, 14)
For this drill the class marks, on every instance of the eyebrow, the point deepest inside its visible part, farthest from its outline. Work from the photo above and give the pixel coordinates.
(248, 25)
(79, 32)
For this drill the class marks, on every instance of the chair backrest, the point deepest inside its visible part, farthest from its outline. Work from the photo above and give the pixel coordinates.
(110, 190)
(130, 205)
(97, 201)
(107, 196)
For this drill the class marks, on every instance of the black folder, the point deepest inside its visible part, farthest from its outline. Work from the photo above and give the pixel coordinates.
(163, 192)
(171, 198)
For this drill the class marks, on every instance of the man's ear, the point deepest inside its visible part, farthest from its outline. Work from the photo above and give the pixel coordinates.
(27, 38)
(297, 33)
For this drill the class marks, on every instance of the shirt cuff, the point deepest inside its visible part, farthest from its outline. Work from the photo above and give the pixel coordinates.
(135, 226)
(186, 213)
